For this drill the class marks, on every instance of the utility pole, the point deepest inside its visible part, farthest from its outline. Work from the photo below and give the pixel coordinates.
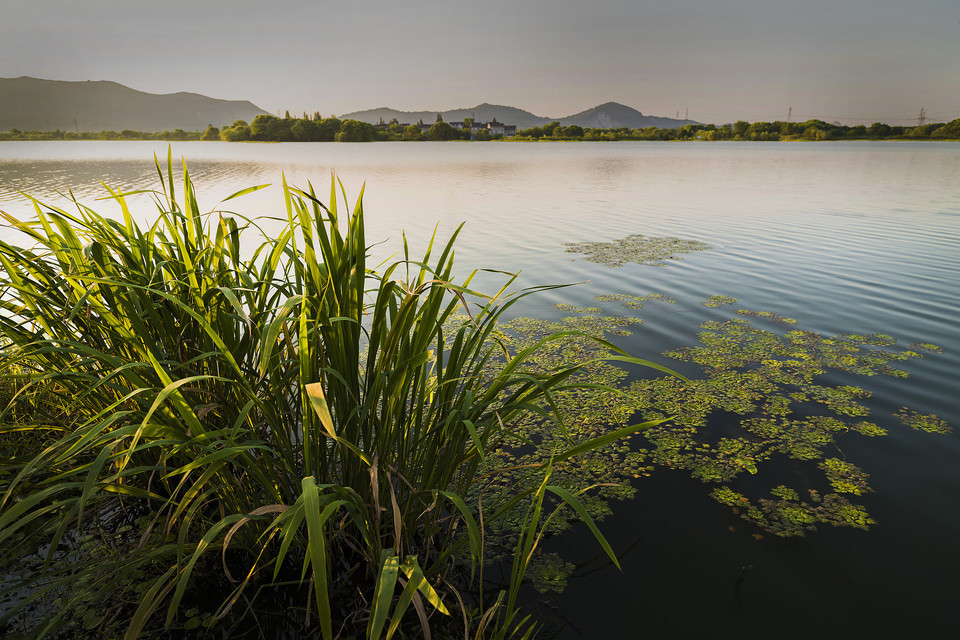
(922, 117)
(686, 114)
(790, 114)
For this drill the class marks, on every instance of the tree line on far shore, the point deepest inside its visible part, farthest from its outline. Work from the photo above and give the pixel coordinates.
(756, 131)
(268, 128)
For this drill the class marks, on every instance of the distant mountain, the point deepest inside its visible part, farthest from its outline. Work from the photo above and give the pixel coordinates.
(46, 105)
(613, 115)
(606, 116)
(481, 113)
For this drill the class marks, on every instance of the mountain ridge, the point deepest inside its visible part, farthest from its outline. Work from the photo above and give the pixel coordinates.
(100, 105)
(609, 115)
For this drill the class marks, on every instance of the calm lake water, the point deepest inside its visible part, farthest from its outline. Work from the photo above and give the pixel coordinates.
(844, 237)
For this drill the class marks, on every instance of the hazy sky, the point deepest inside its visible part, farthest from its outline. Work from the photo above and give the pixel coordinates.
(723, 60)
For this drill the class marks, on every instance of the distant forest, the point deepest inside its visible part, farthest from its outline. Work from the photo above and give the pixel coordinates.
(267, 128)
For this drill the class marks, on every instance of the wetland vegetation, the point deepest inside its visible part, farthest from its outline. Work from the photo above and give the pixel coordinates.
(190, 435)
(200, 440)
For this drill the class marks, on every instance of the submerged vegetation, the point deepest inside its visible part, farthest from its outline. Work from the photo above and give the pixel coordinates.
(194, 439)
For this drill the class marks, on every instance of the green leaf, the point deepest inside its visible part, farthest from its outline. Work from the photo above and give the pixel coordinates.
(244, 192)
(577, 506)
(386, 582)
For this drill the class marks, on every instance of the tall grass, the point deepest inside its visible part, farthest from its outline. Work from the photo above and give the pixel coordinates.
(290, 417)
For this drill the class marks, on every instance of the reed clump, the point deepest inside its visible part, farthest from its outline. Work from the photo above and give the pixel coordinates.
(194, 421)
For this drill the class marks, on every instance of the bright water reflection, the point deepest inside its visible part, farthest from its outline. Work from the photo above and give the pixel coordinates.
(852, 237)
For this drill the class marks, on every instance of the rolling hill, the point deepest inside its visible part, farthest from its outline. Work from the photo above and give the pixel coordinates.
(46, 105)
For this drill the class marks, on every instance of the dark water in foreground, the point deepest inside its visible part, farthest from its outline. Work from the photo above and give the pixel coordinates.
(844, 237)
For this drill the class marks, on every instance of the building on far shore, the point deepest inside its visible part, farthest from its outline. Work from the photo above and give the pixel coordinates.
(493, 128)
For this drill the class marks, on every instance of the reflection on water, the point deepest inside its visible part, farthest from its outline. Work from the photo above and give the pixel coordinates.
(844, 237)
(50, 179)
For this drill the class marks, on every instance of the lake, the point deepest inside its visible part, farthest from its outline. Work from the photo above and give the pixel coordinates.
(854, 237)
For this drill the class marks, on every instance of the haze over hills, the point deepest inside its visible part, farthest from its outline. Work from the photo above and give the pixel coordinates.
(610, 115)
(47, 105)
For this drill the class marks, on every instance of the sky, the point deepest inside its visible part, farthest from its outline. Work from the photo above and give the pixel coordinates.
(855, 61)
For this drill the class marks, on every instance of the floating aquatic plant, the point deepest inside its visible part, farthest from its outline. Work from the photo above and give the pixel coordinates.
(549, 572)
(767, 315)
(926, 346)
(575, 309)
(920, 422)
(786, 515)
(634, 302)
(845, 477)
(718, 301)
(638, 248)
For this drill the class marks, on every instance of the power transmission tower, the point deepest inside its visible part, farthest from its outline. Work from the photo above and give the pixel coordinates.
(922, 117)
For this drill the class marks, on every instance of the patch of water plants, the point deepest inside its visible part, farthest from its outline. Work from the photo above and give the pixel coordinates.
(718, 301)
(921, 422)
(638, 248)
(764, 397)
(277, 445)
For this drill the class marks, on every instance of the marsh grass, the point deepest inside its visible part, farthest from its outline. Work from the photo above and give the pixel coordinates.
(292, 419)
